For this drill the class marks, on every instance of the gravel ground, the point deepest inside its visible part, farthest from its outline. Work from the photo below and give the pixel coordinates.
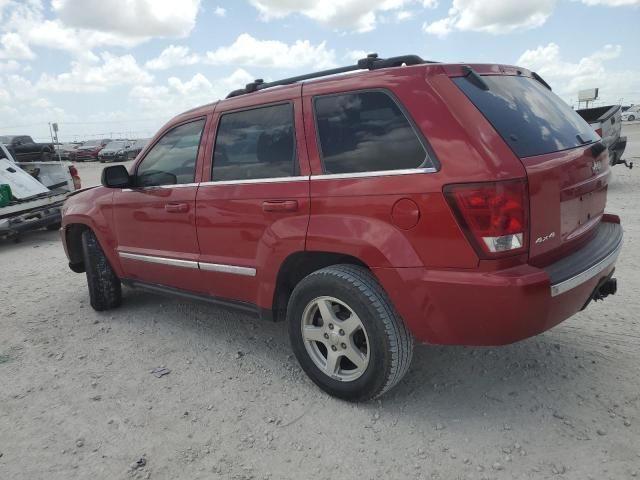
(78, 399)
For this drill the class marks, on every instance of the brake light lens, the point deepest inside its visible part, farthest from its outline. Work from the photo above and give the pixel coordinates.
(599, 131)
(76, 177)
(494, 216)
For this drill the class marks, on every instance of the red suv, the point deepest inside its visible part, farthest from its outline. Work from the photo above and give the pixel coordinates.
(446, 203)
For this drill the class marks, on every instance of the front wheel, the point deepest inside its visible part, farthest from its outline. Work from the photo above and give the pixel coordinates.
(105, 291)
(346, 334)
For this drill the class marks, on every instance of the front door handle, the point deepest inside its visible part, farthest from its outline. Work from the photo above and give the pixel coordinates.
(280, 205)
(177, 207)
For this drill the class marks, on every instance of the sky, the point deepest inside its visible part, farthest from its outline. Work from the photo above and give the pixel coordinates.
(122, 68)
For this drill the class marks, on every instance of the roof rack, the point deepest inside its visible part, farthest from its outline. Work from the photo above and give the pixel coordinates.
(371, 62)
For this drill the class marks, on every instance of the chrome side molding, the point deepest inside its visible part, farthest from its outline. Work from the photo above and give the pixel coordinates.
(175, 262)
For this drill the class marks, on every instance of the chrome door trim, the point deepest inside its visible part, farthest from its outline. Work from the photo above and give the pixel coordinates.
(251, 181)
(176, 262)
(381, 173)
(217, 267)
(173, 262)
(156, 187)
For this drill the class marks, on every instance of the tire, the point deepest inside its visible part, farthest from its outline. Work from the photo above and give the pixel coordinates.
(384, 344)
(46, 156)
(105, 291)
(631, 118)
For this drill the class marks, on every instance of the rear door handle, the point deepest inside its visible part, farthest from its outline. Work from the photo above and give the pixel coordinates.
(177, 207)
(280, 205)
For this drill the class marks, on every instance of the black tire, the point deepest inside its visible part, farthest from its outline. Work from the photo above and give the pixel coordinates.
(390, 343)
(631, 118)
(46, 156)
(105, 291)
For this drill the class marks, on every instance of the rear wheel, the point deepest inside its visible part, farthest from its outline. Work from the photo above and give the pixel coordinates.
(346, 334)
(105, 291)
(631, 118)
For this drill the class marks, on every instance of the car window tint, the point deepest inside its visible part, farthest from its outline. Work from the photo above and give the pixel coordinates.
(172, 160)
(530, 118)
(257, 143)
(366, 132)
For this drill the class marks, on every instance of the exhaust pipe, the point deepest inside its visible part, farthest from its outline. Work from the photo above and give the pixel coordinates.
(606, 288)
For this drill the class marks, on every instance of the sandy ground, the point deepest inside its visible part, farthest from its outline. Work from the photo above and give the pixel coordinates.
(77, 399)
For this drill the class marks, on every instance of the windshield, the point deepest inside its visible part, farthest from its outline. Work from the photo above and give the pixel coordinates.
(530, 118)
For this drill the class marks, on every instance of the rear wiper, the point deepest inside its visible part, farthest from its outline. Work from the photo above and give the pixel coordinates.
(541, 80)
(582, 140)
(473, 77)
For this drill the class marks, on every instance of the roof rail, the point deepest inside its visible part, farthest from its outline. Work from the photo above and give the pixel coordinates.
(371, 62)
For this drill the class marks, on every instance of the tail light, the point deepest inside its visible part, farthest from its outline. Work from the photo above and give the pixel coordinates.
(599, 131)
(76, 177)
(494, 216)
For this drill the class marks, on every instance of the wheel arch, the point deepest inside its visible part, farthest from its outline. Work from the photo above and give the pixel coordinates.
(297, 266)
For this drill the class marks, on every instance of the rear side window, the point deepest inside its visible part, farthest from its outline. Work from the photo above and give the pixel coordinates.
(257, 143)
(366, 132)
(529, 117)
(172, 160)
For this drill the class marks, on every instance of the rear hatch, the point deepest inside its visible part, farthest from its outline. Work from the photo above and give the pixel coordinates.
(566, 163)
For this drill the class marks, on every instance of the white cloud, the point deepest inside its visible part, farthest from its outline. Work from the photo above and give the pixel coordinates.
(355, 55)
(567, 78)
(249, 51)
(84, 25)
(358, 15)
(492, 16)
(172, 56)
(612, 3)
(91, 77)
(13, 46)
(132, 18)
(219, 11)
(9, 66)
(177, 95)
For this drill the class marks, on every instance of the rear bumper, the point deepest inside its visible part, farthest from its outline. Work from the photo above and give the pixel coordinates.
(500, 307)
(33, 220)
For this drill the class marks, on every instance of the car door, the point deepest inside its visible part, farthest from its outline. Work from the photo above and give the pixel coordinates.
(254, 210)
(155, 220)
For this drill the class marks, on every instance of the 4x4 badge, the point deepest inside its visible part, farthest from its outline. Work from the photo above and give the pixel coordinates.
(596, 167)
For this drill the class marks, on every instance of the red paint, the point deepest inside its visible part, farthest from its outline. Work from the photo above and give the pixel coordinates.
(405, 213)
(400, 226)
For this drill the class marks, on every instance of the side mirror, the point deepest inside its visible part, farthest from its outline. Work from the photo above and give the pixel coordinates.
(115, 176)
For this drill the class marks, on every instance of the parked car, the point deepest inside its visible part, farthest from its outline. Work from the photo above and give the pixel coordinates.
(114, 151)
(446, 203)
(24, 149)
(88, 151)
(607, 122)
(32, 193)
(136, 147)
(66, 149)
(632, 113)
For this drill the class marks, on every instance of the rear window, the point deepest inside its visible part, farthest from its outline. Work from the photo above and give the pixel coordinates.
(366, 132)
(530, 118)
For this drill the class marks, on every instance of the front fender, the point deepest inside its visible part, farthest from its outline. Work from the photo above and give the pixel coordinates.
(93, 209)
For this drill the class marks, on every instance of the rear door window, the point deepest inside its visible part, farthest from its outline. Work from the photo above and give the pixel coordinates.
(530, 118)
(366, 132)
(254, 144)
